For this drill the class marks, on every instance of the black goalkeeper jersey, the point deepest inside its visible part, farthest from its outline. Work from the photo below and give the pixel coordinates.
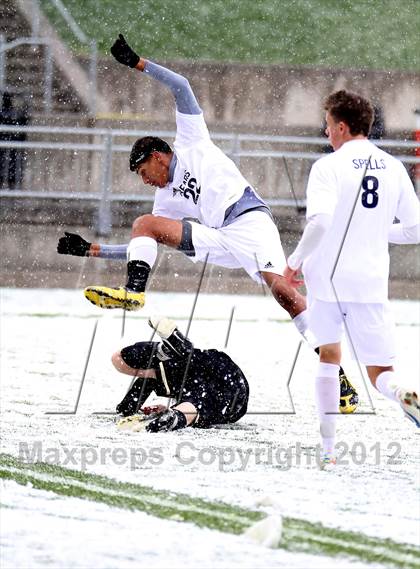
(209, 379)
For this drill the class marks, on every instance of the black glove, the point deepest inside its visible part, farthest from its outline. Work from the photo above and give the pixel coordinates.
(169, 420)
(73, 244)
(135, 397)
(177, 346)
(123, 52)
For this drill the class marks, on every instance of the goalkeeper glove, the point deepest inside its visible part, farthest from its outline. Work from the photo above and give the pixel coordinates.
(170, 420)
(73, 244)
(123, 52)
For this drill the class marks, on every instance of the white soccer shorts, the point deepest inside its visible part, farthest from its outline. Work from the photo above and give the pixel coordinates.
(251, 242)
(369, 329)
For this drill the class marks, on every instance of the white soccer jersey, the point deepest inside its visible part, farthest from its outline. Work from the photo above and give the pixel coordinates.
(205, 183)
(358, 259)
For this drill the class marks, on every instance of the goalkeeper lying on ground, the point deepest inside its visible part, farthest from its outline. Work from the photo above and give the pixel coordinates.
(209, 388)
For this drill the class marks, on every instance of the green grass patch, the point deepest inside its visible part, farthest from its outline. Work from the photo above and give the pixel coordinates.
(298, 535)
(374, 34)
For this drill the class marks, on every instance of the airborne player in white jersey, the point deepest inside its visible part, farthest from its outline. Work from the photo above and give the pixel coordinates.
(203, 205)
(353, 197)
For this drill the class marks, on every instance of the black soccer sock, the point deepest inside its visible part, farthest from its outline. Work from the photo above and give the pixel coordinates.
(138, 273)
(176, 346)
(341, 371)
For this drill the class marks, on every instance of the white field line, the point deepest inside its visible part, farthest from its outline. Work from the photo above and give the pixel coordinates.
(302, 535)
(368, 548)
(154, 501)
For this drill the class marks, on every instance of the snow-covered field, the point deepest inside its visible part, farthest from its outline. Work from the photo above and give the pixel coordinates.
(45, 340)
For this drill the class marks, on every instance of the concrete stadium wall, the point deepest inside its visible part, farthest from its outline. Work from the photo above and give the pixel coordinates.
(276, 98)
(30, 231)
(244, 98)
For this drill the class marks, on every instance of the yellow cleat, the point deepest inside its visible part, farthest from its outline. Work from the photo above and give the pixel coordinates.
(120, 297)
(349, 398)
(133, 423)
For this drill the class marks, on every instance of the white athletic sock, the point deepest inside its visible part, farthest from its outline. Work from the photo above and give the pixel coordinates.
(327, 397)
(142, 249)
(387, 385)
(301, 322)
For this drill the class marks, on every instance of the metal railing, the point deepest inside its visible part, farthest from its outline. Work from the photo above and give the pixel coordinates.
(48, 67)
(90, 43)
(92, 164)
(6, 46)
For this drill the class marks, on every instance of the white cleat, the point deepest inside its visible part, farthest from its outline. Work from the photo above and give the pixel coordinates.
(164, 327)
(327, 462)
(409, 403)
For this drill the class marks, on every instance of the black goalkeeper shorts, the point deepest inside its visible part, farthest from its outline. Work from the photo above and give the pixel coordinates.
(218, 403)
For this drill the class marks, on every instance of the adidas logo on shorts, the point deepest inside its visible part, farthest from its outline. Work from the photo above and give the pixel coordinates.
(268, 265)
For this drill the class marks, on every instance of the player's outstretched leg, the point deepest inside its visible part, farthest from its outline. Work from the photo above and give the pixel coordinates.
(327, 393)
(130, 297)
(295, 304)
(148, 230)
